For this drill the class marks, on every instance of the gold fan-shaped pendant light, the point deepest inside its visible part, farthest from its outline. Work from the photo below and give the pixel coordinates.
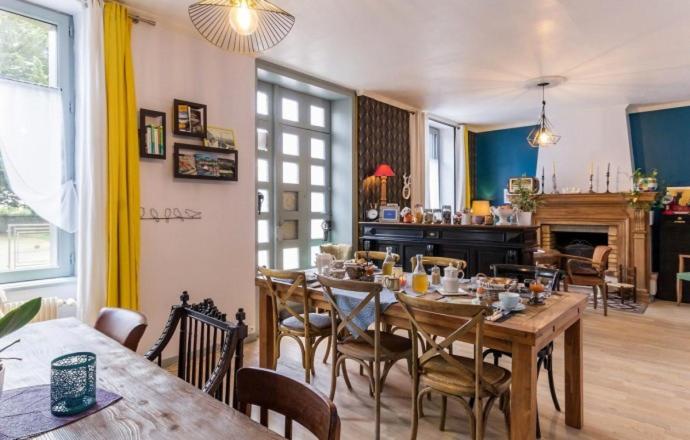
(247, 26)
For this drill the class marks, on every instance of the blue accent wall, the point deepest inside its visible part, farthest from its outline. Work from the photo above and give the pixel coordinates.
(502, 154)
(661, 140)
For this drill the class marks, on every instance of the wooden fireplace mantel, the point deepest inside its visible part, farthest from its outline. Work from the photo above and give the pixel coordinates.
(625, 219)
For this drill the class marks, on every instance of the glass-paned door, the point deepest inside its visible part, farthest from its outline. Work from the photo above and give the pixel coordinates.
(297, 183)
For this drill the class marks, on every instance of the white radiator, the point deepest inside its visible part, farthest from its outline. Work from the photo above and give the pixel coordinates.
(49, 307)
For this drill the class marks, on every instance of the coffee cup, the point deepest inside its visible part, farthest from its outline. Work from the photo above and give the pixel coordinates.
(509, 300)
(450, 284)
(391, 283)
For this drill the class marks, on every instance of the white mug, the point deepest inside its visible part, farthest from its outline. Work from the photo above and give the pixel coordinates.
(509, 300)
(450, 284)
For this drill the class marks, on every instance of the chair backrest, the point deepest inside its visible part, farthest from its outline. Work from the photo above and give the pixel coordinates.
(346, 328)
(281, 300)
(375, 255)
(475, 324)
(523, 272)
(339, 251)
(439, 261)
(295, 400)
(600, 257)
(208, 347)
(125, 326)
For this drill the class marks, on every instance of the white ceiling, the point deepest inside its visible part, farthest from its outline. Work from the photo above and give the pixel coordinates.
(468, 60)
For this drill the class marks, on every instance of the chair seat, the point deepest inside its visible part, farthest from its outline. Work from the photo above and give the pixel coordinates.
(586, 280)
(584, 270)
(298, 307)
(685, 276)
(621, 285)
(438, 374)
(394, 347)
(318, 321)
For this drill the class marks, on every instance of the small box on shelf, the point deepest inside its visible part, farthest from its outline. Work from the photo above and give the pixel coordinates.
(152, 134)
(205, 163)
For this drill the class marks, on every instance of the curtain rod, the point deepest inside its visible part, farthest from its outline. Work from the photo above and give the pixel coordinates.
(136, 18)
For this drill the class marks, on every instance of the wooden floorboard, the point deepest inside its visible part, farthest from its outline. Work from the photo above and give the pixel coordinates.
(636, 385)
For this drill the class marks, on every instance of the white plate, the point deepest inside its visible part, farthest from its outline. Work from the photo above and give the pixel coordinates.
(518, 308)
(460, 292)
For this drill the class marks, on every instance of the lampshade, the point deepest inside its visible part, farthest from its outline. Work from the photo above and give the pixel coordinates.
(384, 170)
(247, 26)
(481, 208)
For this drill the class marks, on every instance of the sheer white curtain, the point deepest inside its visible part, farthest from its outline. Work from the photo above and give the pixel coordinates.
(419, 128)
(90, 163)
(461, 159)
(33, 151)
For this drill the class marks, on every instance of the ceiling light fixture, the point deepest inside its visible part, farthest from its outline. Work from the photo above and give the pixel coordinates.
(247, 26)
(543, 135)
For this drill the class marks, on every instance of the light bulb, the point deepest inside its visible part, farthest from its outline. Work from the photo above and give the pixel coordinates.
(243, 19)
(544, 138)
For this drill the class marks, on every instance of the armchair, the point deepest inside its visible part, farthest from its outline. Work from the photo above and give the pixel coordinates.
(582, 271)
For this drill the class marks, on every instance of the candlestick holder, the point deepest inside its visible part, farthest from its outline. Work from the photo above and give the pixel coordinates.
(608, 176)
(553, 184)
(591, 183)
(542, 181)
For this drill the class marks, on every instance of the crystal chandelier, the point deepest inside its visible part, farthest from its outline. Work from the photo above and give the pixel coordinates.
(542, 135)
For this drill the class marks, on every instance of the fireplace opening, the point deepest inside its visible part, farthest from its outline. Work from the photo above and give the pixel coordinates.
(581, 244)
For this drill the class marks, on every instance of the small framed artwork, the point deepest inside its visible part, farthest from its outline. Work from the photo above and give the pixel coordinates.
(152, 134)
(223, 138)
(196, 162)
(189, 119)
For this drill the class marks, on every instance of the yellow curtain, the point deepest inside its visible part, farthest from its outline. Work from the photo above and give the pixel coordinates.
(123, 161)
(468, 177)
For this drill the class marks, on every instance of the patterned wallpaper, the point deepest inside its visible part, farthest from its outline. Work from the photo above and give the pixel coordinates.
(383, 135)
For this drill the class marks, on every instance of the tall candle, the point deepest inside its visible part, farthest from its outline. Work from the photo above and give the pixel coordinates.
(608, 168)
(554, 167)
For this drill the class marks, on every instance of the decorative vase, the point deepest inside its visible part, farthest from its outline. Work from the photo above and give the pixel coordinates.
(503, 213)
(524, 218)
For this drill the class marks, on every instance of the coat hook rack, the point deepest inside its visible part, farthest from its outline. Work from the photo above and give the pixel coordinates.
(169, 214)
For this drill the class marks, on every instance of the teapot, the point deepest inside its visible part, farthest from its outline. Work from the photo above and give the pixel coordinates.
(452, 272)
(323, 263)
(503, 213)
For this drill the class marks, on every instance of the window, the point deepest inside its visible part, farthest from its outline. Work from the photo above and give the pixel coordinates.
(442, 171)
(37, 63)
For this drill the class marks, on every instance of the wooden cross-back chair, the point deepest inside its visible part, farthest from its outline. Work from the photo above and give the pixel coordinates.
(208, 347)
(582, 271)
(296, 401)
(439, 261)
(290, 321)
(367, 347)
(466, 380)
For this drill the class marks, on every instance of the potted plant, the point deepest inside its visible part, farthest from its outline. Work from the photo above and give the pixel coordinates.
(526, 202)
(12, 321)
(645, 182)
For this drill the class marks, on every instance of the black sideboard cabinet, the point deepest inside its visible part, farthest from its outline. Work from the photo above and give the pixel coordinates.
(479, 246)
(674, 239)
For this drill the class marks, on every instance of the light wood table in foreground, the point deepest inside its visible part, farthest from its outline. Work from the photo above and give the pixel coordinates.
(523, 335)
(154, 405)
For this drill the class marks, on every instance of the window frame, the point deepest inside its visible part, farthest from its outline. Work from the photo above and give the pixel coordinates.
(64, 25)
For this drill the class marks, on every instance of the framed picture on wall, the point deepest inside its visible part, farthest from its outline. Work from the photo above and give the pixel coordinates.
(196, 162)
(223, 138)
(189, 119)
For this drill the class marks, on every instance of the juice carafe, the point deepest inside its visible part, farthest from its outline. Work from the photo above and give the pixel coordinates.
(388, 262)
(420, 280)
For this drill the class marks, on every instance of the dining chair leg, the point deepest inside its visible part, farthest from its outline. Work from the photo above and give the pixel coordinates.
(506, 410)
(328, 349)
(346, 377)
(594, 294)
(306, 359)
(444, 407)
(552, 384)
(334, 370)
(605, 294)
(276, 352)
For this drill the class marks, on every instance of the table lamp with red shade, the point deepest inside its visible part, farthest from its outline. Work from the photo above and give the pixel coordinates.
(384, 171)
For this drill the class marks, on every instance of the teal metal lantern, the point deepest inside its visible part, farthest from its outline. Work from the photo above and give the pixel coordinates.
(72, 383)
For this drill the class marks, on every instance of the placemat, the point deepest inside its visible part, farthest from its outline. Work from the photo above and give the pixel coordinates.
(25, 412)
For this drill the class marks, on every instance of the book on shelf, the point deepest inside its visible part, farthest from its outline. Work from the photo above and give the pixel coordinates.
(155, 143)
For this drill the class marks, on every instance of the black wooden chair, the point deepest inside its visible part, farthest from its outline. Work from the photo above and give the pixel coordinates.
(545, 355)
(210, 350)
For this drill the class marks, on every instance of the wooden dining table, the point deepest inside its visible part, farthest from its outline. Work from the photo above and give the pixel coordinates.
(155, 404)
(522, 334)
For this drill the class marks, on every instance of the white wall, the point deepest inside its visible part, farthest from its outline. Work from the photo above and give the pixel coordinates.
(598, 134)
(212, 257)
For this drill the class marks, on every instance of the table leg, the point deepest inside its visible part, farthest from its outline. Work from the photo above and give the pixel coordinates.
(523, 395)
(266, 331)
(574, 390)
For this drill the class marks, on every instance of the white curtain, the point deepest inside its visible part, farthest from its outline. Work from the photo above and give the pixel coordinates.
(461, 158)
(91, 161)
(33, 151)
(419, 128)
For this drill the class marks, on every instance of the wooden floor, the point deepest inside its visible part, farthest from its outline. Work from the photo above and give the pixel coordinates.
(637, 385)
